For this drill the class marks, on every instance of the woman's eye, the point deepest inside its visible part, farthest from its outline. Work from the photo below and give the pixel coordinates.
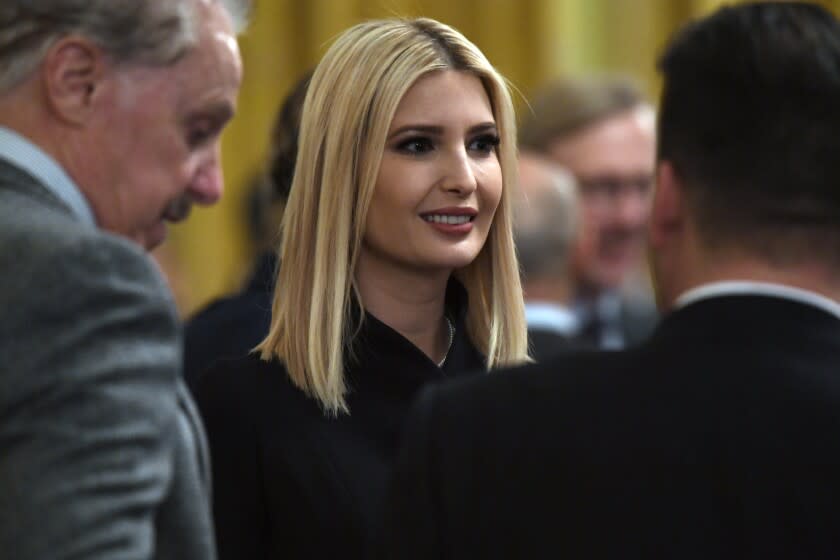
(485, 143)
(415, 146)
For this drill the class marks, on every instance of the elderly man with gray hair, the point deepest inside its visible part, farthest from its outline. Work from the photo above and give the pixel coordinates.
(110, 116)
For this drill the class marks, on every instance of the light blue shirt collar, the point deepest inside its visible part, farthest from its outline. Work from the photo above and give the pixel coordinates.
(28, 157)
(550, 316)
(738, 287)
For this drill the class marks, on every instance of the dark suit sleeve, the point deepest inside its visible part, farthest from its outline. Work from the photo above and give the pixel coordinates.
(412, 522)
(238, 497)
(88, 405)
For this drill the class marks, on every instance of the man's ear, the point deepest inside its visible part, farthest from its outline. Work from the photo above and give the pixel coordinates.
(73, 71)
(667, 217)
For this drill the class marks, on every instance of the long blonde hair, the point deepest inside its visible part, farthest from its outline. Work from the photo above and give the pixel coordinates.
(348, 110)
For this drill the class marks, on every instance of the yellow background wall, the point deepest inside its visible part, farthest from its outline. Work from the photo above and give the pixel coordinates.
(529, 41)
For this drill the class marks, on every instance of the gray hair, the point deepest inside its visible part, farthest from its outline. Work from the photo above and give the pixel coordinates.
(545, 222)
(155, 32)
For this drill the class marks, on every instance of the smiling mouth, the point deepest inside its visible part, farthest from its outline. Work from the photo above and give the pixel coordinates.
(448, 219)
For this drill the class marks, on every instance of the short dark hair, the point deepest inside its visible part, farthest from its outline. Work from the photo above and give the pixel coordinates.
(750, 120)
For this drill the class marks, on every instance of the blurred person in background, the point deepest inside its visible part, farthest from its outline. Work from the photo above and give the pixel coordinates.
(601, 129)
(231, 327)
(110, 118)
(717, 437)
(544, 227)
(398, 270)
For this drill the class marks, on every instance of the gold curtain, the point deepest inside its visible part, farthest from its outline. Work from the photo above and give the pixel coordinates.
(529, 41)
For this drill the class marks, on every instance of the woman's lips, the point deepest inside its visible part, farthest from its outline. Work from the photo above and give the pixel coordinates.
(451, 221)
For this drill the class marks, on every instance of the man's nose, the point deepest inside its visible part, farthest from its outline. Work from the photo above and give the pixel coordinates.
(632, 207)
(208, 181)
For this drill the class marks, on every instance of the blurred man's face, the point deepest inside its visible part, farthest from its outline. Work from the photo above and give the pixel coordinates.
(158, 136)
(613, 162)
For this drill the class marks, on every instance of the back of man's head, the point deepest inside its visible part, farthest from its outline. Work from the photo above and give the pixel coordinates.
(544, 219)
(749, 121)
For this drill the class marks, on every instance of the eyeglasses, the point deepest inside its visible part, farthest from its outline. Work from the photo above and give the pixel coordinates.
(610, 189)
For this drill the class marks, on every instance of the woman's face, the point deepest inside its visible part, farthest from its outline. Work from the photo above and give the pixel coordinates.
(440, 180)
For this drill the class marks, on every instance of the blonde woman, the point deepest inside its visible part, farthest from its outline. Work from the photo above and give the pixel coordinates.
(398, 270)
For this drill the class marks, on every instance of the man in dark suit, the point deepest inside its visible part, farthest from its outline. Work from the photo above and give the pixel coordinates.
(110, 118)
(720, 436)
(601, 129)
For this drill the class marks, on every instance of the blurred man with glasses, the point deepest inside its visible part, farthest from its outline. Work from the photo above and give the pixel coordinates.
(602, 130)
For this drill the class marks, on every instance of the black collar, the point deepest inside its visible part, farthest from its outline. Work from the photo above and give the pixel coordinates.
(381, 359)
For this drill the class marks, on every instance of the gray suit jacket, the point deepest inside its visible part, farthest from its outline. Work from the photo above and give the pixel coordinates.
(102, 454)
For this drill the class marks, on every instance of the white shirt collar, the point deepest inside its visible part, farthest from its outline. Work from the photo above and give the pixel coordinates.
(741, 287)
(25, 155)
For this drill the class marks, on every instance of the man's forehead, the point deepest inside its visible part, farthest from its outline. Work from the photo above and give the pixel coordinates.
(621, 137)
(216, 33)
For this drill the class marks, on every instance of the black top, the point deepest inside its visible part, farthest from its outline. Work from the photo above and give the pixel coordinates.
(718, 438)
(230, 327)
(290, 482)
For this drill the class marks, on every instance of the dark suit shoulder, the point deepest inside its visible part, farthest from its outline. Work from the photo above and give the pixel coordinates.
(542, 405)
(547, 380)
(698, 443)
(37, 232)
(74, 289)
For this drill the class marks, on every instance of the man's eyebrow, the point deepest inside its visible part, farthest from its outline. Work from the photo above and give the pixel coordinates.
(221, 112)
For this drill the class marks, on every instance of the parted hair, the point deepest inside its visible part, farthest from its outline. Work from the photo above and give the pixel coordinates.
(350, 103)
(149, 31)
(749, 119)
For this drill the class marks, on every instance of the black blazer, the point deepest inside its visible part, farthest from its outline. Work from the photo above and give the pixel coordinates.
(718, 438)
(290, 482)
